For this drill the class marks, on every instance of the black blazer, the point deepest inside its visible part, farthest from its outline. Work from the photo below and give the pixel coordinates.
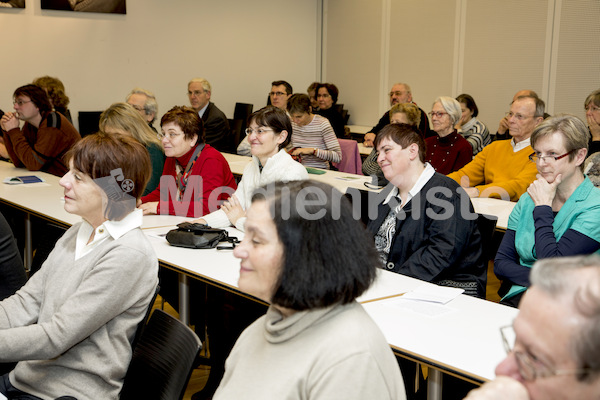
(216, 128)
(430, 248)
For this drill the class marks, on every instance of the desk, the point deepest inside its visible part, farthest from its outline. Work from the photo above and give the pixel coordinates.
(339, 180)
(359, 129)
(497, 207)
(464, 342)
(364, 150)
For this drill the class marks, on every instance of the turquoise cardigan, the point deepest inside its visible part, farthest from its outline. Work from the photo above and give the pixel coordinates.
(581, 212)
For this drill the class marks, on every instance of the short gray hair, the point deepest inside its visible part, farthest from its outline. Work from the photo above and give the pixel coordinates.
(451, 106)
(205, 84)
(553, 276)
(150, 106)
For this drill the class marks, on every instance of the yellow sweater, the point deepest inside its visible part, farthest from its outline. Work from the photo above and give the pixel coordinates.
(498, 172)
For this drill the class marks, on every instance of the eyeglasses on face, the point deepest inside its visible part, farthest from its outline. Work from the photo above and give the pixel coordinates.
(592, 108)
(20, 102)
(323, 95)
(273, 94)
(437, 114)
(530, 367)
(397, 93)
(535, 157)
(137, 107)
(195, 92)
(169, 136)
(518, 117)
(259, 131)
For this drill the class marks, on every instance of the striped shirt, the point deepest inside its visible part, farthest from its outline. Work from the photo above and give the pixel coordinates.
(477, 134)
(317, 134)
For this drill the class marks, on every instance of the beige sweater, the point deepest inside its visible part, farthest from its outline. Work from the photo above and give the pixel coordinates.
(331, 353)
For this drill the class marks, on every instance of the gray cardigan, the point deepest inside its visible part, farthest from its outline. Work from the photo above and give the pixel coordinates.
(72, 324)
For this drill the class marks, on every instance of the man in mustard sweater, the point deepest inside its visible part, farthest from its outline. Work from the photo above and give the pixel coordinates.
(503, 169)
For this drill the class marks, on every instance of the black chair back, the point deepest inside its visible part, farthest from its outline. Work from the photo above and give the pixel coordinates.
(163, 360)
(88, 122)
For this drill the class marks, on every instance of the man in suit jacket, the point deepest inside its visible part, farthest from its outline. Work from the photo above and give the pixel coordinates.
(216, 125)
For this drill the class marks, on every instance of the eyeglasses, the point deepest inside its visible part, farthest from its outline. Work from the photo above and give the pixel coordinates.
(195, 92)
(20, 102)
(323, 95)
(259, 131)
(169, 136)
(519, 117)
(530, 367)
(547, 159)
(273, 94)
(137, 107)
(592, 108)
(397, 94)
(437, 114)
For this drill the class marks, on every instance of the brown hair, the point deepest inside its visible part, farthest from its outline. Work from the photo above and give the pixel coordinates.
(187, 119)
(403, 135)
(119, 164)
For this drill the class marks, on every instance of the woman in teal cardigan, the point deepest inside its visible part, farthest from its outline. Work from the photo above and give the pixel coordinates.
(560, 213)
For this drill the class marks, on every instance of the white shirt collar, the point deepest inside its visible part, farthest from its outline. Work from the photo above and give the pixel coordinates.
(425, 176)
(114, 229)
(521, 145)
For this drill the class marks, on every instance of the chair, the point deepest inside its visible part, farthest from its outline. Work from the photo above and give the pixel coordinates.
(487, 226)
(89, 122)
(351, 161)
(144, 321)
(162, 361)
(237, 128)
(242, 111)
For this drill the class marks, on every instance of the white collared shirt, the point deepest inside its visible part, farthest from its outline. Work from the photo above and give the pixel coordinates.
(114, 229)
(425, 176)
(521, 145)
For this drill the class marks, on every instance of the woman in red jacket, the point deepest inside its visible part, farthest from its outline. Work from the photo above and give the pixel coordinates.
(193, 169)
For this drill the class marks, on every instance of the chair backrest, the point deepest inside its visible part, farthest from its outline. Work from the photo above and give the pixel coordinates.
(144, 321)
(242, 111)
(351, 161)
(487, 226)
(88, 122)
(237, 127)
(162, 361)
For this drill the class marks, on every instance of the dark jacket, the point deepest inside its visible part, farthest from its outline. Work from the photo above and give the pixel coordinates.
(216, 128)
(435, 249)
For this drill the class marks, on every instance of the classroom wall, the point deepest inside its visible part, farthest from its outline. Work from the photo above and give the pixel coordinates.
(487, 48)
(239, 46)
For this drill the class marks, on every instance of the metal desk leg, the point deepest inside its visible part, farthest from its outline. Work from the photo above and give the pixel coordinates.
(434, 384)
(184, 299)
(28, 251)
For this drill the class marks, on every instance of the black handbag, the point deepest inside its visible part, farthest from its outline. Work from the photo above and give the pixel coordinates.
(199, 236)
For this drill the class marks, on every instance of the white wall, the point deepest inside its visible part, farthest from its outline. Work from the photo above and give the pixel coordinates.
(487, 48)
(239, 46)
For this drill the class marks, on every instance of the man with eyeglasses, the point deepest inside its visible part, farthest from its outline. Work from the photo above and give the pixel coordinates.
(553, 345)
(216, 125)
(145, 103)
(400, 93)
(502, 132)
(280, 93)
(45, 136)
(503, 168)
